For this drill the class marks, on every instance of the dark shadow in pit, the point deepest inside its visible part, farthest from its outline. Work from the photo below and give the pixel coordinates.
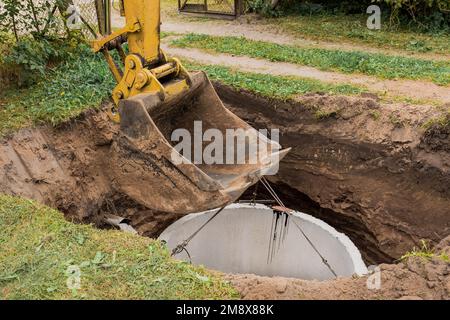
(146, 222)
(354, 229)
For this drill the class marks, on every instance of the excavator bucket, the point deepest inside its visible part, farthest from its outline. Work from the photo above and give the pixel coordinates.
(147, 165)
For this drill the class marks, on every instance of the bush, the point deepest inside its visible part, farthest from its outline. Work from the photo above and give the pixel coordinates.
(431, 15)
(31, 39)
(30, 17)
(27, 60)
(264, 7)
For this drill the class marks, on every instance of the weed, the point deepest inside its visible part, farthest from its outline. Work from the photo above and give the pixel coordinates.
(442, 121)
(324, 114)
(375, 114)
(396, 120)
(424, 252)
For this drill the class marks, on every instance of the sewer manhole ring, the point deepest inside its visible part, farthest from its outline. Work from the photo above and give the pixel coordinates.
(238, 240)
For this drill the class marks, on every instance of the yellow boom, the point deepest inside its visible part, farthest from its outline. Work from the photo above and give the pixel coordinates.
(146, 63)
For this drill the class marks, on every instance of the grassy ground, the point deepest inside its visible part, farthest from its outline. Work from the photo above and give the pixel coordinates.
(76, 85)
(84, 82)
(353, 29)
(383, 66)
(41, 253)
(350, 29)
(271, 86)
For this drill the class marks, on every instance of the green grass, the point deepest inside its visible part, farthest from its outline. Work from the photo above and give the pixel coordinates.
(78, 84)
(271, 86)
(442, 120)
(425, 252)
(349, 28)
(40, 252)
(383, 66)
(352, 29)
(85, 81)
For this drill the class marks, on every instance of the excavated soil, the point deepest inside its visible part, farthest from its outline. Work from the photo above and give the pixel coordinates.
(370, 170)
(414, 279)
(67, 168)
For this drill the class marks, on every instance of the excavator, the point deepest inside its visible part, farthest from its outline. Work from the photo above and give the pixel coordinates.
(156, 95)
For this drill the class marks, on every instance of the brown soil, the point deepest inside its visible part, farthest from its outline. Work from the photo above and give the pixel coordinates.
(368, 169)
(414, 279)
(67, 168)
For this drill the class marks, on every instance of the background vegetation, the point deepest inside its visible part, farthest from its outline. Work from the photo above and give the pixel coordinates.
(426, 15)
(33, 39)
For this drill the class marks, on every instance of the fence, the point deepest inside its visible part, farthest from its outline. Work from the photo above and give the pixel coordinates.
(92, 23)
(88, 14)
(218, 8)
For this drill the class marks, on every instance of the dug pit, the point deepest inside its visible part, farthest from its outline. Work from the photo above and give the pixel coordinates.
(371, 171)
(253, 239)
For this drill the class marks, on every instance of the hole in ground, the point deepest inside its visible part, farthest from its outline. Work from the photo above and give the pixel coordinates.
(350, 226)
(67, 168)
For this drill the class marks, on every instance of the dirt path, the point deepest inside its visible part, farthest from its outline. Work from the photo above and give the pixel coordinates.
(419, 90)
(270, 33)
(248, 27)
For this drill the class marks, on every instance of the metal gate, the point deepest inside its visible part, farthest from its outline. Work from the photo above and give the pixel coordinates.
(218, 8)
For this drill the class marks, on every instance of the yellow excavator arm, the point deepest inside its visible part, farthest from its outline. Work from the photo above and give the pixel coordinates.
(156, 96)
(145, 63)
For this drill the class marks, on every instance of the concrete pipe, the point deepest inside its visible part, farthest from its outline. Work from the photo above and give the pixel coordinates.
(237, 240)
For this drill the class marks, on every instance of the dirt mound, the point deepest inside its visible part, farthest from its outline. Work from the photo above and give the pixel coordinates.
(416, 278)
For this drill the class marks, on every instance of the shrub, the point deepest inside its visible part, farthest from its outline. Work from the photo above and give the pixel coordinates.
(30, 17)
(432, 15)
(264, 7)
(31, 39)
(27, 60)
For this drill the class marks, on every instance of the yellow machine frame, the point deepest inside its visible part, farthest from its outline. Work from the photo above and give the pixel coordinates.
(146, 68)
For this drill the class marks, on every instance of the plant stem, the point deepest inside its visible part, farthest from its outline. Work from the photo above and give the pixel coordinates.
(49, 19)
(33, 10)
(14, 27)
